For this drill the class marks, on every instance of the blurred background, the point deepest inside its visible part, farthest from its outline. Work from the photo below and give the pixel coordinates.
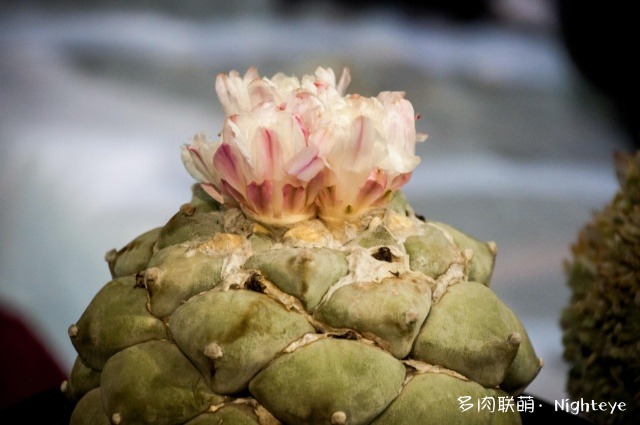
(524, 102)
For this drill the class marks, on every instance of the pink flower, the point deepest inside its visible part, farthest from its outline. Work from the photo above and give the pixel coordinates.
(372, 154)
(242, 94)
(292, 150)
(262, 165)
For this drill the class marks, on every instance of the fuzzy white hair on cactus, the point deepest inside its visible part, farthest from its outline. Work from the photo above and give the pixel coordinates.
(295, 149)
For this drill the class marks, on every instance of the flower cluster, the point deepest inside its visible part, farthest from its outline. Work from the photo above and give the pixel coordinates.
(295, 149)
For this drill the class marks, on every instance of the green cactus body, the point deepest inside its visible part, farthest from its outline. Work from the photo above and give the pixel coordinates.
(81, 380)
(602, 320)
(433, 398)
(89, 410)
(214, 318)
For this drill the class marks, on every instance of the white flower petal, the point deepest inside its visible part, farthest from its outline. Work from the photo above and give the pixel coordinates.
(289, 145)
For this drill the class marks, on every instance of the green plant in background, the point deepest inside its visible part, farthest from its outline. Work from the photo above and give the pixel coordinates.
(298, 286)
(602, 321)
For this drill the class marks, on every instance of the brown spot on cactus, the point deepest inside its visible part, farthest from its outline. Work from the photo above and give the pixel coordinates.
(140, 276)
(348, 335)
(254, 284)
(301, 262)
(383, 254)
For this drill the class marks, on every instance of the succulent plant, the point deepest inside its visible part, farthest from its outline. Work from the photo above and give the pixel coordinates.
(298, 286)
(602, 321)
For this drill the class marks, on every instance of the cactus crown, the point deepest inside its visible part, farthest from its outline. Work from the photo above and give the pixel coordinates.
(292, 150)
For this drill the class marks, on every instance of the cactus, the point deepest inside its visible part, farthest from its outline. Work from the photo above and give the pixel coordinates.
(313, 295)
(602, 321)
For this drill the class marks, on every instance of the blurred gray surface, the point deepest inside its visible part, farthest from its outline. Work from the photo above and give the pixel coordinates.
(94, 106)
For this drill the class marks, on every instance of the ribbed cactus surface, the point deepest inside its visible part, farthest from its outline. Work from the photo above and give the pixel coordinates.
(214, 318)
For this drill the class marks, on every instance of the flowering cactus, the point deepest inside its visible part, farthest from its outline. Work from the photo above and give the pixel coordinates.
(291, 150)
(309, 293)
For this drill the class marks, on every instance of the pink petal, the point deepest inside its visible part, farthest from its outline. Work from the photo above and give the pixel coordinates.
(303, 129)
(227, 94)
(228, 166)
(259, 92)
(268, 153)
(324, 77)
(230, 130)
(307, 110)
(305, 165)
(314, 187)
(213, 192)
(383, 199)
(231, 195)
(324, 139)
(259, 196)
(327, 199)
(195, 153)
(400, 180)
(196, 165)
(361, 140)
(373, 188)
(293, 198)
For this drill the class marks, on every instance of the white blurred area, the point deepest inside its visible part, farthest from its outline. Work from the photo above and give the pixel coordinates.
(94, 104)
